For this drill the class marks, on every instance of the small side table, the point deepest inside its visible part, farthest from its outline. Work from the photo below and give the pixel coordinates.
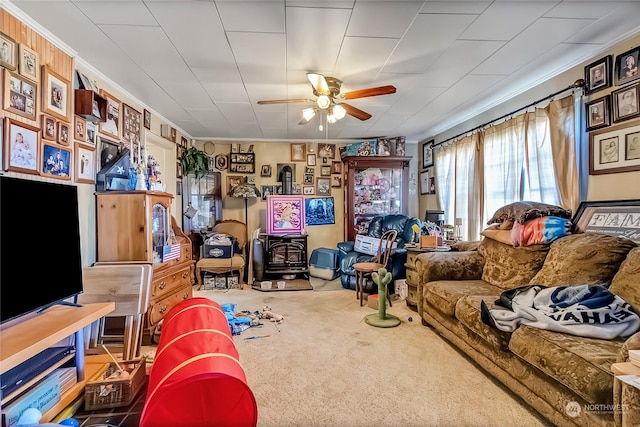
(412, 274)
(629, 392)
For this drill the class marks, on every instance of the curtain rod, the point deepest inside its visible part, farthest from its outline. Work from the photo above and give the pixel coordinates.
(578, 83)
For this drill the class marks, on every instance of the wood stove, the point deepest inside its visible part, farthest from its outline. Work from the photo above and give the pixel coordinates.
(286, 254)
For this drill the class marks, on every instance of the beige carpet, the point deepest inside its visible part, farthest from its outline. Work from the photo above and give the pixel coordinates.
(323, 366)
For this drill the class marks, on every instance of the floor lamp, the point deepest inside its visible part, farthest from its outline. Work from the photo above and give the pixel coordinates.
(246, 191)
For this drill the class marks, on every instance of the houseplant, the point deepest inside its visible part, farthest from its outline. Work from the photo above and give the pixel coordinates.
(194, 161)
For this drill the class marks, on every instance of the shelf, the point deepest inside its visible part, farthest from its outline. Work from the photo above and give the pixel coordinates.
(90, 105)
(242, 162)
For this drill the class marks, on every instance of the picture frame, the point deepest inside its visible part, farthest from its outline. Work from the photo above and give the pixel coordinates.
(597, 75)
(21, 147)
(311, 159)
(424, 182)
(613, 217)
(108, 151)
(319, 211)
(48, 127)
(91, 133)
(233, 180)
(325, 171)
(323, 186)
(627, 66)
(598, 113)
(625, 103)
(56, 161)
(336, 167)
(63, 133)
(131, 126)
(427, 154)
(266, 190)
(285, 214)
(80, 129)
(327, 150)
(298, 152)
(29, 64)
(178, 170)
(615, 149)
(111, 126)
(84, 82)
(20, 95)
(265, 171)
(308, 178)
(336, 181)
(280, 166)
(309, 169)
(222, 162)
(56, 94)
(85, 163)
(8, 52)
(147, 119)
(308, 190)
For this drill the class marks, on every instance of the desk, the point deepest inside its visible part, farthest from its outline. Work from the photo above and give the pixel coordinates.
(412, 272)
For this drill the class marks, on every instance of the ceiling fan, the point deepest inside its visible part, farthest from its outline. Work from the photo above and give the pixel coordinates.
(327, 89)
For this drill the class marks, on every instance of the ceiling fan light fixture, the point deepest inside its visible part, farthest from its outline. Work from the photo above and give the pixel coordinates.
(339, 112)
(324, 102)
(308, 113)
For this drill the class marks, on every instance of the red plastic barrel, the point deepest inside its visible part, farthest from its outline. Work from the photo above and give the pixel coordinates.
(196, 379)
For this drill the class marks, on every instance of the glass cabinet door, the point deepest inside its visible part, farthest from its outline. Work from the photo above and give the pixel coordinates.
(377, 191)
(159, 230)
(202, 199)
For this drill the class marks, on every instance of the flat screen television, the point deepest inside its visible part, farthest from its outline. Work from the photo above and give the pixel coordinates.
(40, 254)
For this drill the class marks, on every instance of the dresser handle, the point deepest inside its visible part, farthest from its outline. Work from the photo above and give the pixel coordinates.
(163, 310)
(173, 277)
(185, 296)
(163, 285)
(184, 274)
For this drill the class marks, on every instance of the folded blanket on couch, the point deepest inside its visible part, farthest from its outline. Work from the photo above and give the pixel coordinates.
(583, 310)
(542, 230)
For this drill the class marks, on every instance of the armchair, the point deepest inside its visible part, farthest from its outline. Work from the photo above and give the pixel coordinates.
(347, 256)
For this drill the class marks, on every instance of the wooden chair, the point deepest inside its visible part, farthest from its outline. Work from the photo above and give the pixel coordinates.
(364, 269)
(237, 262)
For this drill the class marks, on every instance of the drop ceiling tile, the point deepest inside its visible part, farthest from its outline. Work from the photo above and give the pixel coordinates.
(382, 19)
(455, 7)
(237, 112)
(260, 57)
(413, 101)
(609, 29)
(208, 117)
(272, 120)
(252, 16)
(188, 93)
(116, 12)
(582, 9)
(361, 57)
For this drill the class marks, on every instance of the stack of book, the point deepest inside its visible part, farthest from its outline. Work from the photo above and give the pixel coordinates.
(634, 357)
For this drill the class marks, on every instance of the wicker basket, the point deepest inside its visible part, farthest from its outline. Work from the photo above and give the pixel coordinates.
(101, 392)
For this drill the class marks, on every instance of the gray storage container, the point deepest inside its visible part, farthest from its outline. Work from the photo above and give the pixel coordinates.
(324, 263)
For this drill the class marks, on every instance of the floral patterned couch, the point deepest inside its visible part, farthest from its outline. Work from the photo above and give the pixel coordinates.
(566, 378)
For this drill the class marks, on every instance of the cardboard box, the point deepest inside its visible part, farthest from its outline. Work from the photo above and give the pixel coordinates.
(430, 241)
(373, 301)
(368, 245)
(217, 251)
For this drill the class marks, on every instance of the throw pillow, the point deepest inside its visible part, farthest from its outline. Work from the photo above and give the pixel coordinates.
(524, 211)
(495, 233)
(507, 267)
(625, 282)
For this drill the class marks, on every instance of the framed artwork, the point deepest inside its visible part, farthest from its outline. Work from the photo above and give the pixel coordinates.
(308, 179)
(325, 160)
(427, 154)
(8, 49)
(308, 190)
(63, 133)
(319, 211)
(336, 181)
(336, 167)
(178, 170)
(265, 171)
(147, 119)
(597, 75)
(85, 169)
(280, 166)
(222, 162)
(612, 217)
(29, 64)
(84, 82)
(56, 161)
(309, 169)
(233, 180)
(285, 214)
(267, 190)
(131, 126)
(91, 133)
(598, 113)
(615, 149)
(20, 95)
(108, 151)
(21, 147)
(625, 103)
(627, 66)
(327, 150)
(325, 171)
(110, 126)
(323, 186)
(424, 182)
(48, 128)
(298, 151)
(80, 129)
(311, 159)
(56, 94)
(296, 188)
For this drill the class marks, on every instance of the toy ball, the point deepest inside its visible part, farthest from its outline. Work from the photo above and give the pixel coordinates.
(30, 417)
(70, 422)
(410, 319)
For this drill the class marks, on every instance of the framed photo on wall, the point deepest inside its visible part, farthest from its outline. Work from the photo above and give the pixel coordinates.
(56, 161)
(131, 126)
(147, 119)
(111, 126)
(85, 156)
(265, 171)
(323, 186)
(56, 94)
(298, 152)
(233, 180)
(63, 133)
(21, 147)
(627, 66)
(597, 75)
(319, 211)
(29, 64)
(20, 95)
(598, 113)
(285, 214)
(427, 154)
(80, 129)
(612, 217)
(49, 131)
(108, 151)
(8, 50)
(615, 149)
(625, 103)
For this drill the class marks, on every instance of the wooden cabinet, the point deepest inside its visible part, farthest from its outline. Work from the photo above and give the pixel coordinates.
(90, 106)
(374, 185)
(412, 278)
(133, 226)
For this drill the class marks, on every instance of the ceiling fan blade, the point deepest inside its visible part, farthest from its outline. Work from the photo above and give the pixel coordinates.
(283, 101)
(356, 112)
(373, 91)
(319, 83)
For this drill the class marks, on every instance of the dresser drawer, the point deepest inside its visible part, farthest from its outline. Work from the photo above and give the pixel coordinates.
(160, 308)
(169, 280)
(412, 277)
(185, 253)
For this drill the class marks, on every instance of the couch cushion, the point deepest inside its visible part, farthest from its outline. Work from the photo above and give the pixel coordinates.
(585, 258)
(508, 267)
(468, 313)
(524, 211)
(626, 282)
(581, 364)
(401, 223)
(444, 294)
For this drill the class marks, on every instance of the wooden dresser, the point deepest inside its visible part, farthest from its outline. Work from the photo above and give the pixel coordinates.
(133, 226)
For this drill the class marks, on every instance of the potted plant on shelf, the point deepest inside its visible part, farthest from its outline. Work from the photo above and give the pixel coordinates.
(194, 161)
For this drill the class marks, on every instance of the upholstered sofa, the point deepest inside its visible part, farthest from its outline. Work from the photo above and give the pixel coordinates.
(566, 378)
(347, 256)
